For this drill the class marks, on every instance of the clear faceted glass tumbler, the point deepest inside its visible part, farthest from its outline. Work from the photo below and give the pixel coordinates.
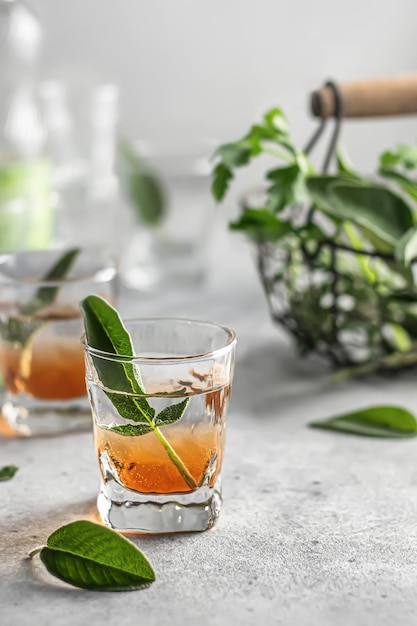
(161, 463)
(41, 357)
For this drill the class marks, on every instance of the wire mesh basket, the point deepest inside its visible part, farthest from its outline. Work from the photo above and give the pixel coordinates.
(355, 306)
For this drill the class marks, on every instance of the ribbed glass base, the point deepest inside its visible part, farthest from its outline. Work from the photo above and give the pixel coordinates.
(129, 511)
(33, 418)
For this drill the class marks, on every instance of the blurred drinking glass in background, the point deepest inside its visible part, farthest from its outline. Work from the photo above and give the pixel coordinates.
(58, 185)
(172, 213)
(80, 127)
(41, 357)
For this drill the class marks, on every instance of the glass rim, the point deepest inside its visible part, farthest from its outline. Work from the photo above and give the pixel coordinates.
(121, 358)
(104, 273)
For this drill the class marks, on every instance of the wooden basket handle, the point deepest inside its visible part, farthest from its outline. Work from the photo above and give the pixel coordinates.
(371, 98)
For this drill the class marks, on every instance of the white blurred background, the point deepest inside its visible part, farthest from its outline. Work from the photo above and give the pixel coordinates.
(208, 68)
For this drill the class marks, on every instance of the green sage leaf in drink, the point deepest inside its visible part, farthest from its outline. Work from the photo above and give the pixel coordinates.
(105, 332)
(90, 556)
(21, 330)
(390, 422)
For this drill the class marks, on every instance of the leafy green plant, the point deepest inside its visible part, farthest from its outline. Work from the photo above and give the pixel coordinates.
(90, 556)
(106, 332)
(335, 251)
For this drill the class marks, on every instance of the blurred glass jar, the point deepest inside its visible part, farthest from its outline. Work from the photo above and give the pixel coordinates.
(171, 215)
(80, 140)
(25, 201)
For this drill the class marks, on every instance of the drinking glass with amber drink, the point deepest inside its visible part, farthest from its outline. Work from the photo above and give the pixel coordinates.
(159, 417)
(41, 357)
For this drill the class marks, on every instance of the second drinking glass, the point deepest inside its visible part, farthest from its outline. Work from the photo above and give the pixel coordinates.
(41, 357)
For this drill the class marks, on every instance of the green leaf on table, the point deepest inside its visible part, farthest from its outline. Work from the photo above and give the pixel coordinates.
(406, 248)
(7, 472)
(90, 556)
(145, 188)
(261, 225)
(377, 209)
(220, 183)
(378, 421)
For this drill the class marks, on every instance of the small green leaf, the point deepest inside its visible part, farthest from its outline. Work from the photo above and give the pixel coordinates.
(7, 472)
(389, 159)
(147, 196)
(407, 156)
(90, 556)
(171, 413)
(235, 154)
(346, 169)
(145, 187)
(129, 430)
(379, 421)
(46, 295)
(221, 179)
(288, 188)
(275, 119)
(406, 248)
(261, 225)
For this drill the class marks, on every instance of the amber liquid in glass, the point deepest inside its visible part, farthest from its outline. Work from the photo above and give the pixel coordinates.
(141, 463)
(50, 366)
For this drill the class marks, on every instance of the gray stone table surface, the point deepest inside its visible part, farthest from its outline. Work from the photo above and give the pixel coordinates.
(316, 528)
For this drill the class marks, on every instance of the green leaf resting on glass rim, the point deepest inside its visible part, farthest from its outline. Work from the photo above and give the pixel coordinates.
(379, 421)
(7, 472)
(106, 332)
(90, 556)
